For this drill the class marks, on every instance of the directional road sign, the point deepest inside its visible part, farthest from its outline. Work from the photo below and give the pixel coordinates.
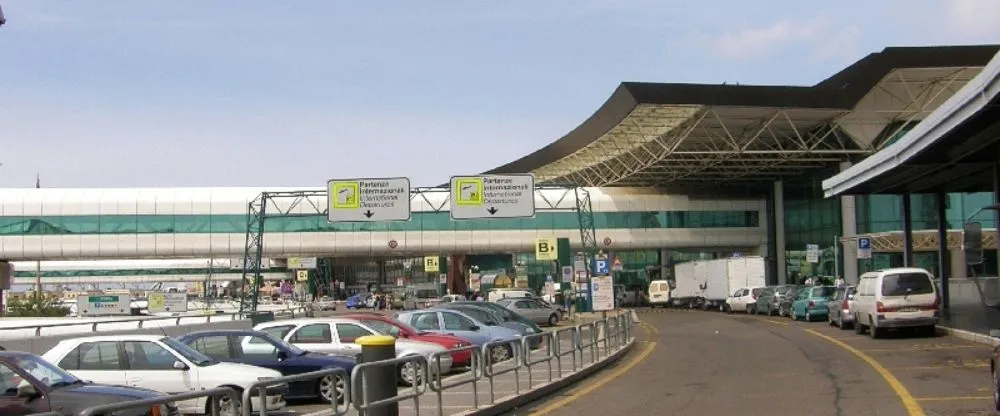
(864, 247)
(492, 196)
(369, 199)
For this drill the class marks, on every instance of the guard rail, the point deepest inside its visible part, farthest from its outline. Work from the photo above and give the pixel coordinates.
(581, 338)
(94, 326)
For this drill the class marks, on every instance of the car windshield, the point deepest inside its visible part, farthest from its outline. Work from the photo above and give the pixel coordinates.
(504, 313)
(782, 290)
(279, 344)
(49, 374)
(192, 355)
(823, 291)
(481, 315)
(906, 284)
(389, 328)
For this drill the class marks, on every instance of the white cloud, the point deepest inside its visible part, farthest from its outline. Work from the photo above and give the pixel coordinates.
(973, 18)
(826, 39)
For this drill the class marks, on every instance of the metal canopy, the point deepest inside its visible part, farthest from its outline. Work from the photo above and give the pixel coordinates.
(652, 135)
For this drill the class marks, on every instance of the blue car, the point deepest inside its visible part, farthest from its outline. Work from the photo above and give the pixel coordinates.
(359, 301)
(810, 303)
(263, 350)
(464, 325)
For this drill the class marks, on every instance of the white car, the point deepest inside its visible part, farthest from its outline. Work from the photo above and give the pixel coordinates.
(894, 299)
(743, 299)
(335, 336)
(163, 364)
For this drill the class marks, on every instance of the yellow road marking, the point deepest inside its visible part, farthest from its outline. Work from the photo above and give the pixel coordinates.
(923, 348)
(596, 384)
(954, 399)
(776, 322)
(909, 402)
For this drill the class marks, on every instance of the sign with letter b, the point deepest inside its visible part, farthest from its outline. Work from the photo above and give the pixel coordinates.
(546, 249)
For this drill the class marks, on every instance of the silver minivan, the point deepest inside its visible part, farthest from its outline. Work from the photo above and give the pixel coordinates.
(896, 298)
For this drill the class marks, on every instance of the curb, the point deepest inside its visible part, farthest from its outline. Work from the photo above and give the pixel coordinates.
(514, 401)
(969, 336)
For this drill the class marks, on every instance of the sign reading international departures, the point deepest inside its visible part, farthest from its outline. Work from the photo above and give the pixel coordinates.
(492, 196)
(368, 199)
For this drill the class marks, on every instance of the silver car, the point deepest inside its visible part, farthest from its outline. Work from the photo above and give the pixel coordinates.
(531, 308)
(336, 336)
(840, 306)
(325, 303)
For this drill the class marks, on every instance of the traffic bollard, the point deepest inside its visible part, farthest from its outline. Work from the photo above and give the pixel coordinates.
(379, 382)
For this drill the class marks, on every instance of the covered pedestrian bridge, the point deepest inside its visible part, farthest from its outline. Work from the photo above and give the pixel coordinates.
(954, 149)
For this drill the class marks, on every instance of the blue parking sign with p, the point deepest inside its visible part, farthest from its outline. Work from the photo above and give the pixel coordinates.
(864, 243)
(600, 267)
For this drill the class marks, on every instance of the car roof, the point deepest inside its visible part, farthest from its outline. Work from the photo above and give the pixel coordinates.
(15, 354)
(118, 337)
(215, 332)
(301, 321)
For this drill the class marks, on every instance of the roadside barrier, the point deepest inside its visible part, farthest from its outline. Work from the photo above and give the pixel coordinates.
(339, 382)
(420, 376)
(602, 338)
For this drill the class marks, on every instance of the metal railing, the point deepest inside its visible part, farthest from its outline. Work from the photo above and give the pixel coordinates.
(359, 395)
(426, 373)
(571, 351)
(516, 355)
(212, 394)
(340, 379)
(140, 322)
(438, 384)
(591, 341)
(530, 361)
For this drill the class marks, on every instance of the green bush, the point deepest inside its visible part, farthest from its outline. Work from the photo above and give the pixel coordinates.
(35, 306)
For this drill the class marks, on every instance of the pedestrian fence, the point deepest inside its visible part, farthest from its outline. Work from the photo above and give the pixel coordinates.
(598, 340)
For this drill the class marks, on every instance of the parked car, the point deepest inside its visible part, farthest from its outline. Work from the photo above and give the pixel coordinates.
(452, 298)
(896, 298)
(263, 350)
(532, 309)
(459, 323)
(336, 336)
(840, 307)
(768, 302)
(33, 385)
(326, 303)
(810, 303)
(360, 301)
(162, 364)
(489, 315)
(785, 307)
(399, 329)
(742, 300)
(506, 315)
(659, 293)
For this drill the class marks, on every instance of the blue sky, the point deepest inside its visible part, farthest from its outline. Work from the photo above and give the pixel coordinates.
(270, 93)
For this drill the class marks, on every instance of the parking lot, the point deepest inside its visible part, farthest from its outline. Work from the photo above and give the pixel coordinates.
(708, 363)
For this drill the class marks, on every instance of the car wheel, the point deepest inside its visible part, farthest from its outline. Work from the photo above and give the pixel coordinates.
(409, 373)
(751, 309)
(874, 331)
(858, 328)
(553, 320)
(226, 405)
(500, 353)
(328, 386)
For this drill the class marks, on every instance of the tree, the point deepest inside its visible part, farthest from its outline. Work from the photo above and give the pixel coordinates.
(35, 306)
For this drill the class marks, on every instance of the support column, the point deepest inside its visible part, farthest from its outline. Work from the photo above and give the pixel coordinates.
(849, 230)
(778, 198)
(996, 200)
(942, 237)
(907, 232)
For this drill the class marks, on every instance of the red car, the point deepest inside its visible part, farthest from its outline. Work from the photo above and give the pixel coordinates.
(390, 326)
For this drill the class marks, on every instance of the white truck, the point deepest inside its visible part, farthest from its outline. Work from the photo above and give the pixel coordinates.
(707, 283)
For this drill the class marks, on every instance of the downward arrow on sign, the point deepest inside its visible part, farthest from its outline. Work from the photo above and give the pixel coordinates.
(492, 210)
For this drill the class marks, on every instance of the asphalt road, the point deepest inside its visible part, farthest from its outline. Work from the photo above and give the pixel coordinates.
(708, 363)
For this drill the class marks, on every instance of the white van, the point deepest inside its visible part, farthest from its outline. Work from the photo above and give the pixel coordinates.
(659, 293)
(896, 298)
(497, 294)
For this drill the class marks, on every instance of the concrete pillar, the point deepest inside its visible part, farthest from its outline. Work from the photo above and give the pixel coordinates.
(779, 233)
(849, 230)
(959, 270)
(942, 236)
(907, 231)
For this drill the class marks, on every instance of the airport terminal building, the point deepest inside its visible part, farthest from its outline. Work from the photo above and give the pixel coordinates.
(675, 172)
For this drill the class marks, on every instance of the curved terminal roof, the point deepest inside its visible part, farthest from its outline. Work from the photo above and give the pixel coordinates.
(650, 134)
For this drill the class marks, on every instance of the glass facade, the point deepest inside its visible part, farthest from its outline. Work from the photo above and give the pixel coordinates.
(810, 219)
(421, 221)
(883, 213)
